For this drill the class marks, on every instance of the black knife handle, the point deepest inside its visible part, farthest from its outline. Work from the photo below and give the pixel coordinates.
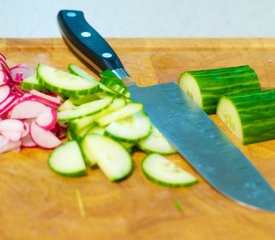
(86, 41)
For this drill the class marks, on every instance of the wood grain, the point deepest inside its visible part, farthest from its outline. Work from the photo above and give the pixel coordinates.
(38, 204)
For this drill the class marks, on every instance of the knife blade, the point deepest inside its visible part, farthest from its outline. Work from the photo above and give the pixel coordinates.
(181, 121)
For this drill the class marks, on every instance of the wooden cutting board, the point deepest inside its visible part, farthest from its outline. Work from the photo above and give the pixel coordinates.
(35, 203)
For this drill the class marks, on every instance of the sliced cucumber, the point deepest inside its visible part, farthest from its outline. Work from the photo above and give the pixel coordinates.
(110, 79)
(67, 160)
(83, 122)
(64, 83)
(249, 116)
(67, 105)
(84, 110)
(74, 69)
(121, 113)
(81, 73)
(113, 159)
(156, 143)
(130, 129)
(30, 83)
(206, 87)
(162, 171)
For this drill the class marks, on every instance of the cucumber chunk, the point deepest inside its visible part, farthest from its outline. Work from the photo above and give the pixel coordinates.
(206, 87)
(67, 160)
(156, 143)
(249, 116)
(130, 129)
(111, 157)
(162, 171)
(84, 110)
(64, 83)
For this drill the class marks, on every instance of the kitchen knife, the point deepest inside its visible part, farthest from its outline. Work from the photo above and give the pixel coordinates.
(184, 124)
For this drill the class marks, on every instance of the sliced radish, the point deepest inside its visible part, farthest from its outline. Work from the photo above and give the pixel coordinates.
(3, 141)
(43, 138)
(12, 125)
(3, 77)
(5, 68)
(11, 146)
(12, 129)
(27, 142)
(47, 119)
(27, 109)
(5, 91)
(49, 100)
(7, 105)
(20, 71)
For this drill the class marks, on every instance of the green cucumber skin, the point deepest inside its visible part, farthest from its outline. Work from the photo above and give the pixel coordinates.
(214, 83)
(257, 114)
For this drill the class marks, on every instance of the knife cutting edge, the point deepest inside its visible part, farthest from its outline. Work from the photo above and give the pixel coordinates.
(182, 122)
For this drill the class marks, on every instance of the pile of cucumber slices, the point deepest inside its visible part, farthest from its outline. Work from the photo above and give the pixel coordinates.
(104, 127)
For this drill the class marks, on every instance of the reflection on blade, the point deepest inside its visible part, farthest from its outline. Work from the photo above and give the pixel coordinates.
(204, 145)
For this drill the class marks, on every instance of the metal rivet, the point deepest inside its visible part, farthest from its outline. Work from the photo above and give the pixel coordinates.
(107, 55)
(86, 34)
(71, 14)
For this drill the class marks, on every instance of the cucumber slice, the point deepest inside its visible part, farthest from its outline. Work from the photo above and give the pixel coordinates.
(206, 87)
(81, 73)
(67, 160)
(67, 105)
(130, 129)
(83, 122)
(84, 110)
(30, 83)
(249, 116)
(162, 171)
(64, 83)
(110, 79)
(110, 156)
(121, 113)
(156, 143)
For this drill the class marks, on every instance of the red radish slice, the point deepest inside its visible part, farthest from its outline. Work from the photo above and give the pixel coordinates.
(5, 91)
(2, 56)
(27, 109)
(20, 71)
(12, 129)
(12, 135)
(27, 142)
(43, 138)
(3, 141)
(7, 105)
(12, 125)
(45, 98)
(47, 119)
(5, 68)
(11, 146)
(26, 129)
(3, 77)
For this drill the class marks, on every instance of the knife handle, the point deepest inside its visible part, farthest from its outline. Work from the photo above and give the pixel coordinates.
(86, 41)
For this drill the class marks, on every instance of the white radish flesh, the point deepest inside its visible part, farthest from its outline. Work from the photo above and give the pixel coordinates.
(11, 146)
(47, 119)
(5, 91)
(43, 138)
(27, 109)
